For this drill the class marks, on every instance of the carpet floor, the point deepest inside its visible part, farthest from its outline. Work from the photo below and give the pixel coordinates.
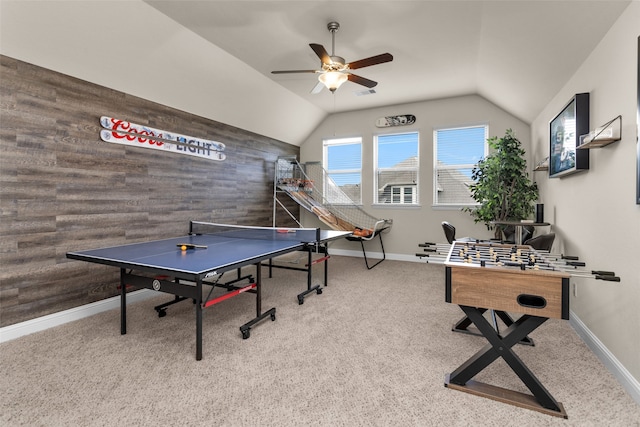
(372, 350)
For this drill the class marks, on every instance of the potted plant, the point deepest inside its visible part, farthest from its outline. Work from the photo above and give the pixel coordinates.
(502, 186)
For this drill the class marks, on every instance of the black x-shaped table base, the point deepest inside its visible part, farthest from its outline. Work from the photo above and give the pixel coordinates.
(463, 324)
(500, 346)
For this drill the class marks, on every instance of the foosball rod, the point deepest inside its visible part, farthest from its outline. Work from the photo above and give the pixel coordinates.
(432, 259)
(597, 276)
(437, 253)
(447, 246)
(563, 266)
(541, 258)
(547, 257)
(589, 274)
(573, 272)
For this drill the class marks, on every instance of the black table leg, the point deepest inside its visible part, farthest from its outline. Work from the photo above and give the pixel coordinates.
(326, 264)
(123, 303)
(199, 319)
(258, 290)
(246, 328)
(463, 324)
(309, 269)
(501, 347)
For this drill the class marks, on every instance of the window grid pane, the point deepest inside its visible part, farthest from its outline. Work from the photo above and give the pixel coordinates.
(397, 167)
(457, 152)
(343, 162)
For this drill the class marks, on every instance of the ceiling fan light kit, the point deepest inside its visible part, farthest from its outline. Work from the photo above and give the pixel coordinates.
(335, 70)
(333, 79)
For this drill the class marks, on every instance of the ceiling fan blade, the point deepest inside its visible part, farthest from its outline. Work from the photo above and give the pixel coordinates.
(317, 88)
(361, 80)
(294, 71)
(321, 52)
(374, 60)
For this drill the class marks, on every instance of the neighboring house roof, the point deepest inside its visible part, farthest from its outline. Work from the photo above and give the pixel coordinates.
(399, 176)
(453, 187)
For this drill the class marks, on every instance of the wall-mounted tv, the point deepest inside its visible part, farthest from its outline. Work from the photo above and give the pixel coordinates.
(564, 137)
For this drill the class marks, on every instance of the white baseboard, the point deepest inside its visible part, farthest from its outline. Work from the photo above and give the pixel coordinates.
(624, 377)
(18, 330)
(375, 255)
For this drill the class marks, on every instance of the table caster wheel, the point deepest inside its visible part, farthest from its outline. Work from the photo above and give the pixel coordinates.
(162, 313)
(319, 291)
(273, 317)
(300, 300)
(245, 334)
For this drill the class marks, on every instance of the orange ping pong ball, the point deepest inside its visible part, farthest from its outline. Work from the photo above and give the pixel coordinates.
(183, 247)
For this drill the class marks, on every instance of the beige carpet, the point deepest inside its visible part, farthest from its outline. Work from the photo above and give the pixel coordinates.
(372, 350)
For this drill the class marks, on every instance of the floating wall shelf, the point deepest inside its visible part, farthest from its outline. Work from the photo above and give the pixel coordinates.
(604, 135)
(542, 165)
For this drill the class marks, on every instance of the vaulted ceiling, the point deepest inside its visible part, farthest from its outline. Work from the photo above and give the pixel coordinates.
(517, 54)
(214, 58)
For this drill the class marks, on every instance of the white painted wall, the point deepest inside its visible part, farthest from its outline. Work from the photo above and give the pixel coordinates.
(412, 225)
(131, 47)
(594, 213)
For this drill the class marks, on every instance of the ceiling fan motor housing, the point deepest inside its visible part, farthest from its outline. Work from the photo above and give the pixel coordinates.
(336, 64)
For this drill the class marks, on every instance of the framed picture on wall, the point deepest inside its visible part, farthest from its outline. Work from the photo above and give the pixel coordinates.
(565, 131)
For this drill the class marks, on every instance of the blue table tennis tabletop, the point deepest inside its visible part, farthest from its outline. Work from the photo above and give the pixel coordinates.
(221, 253)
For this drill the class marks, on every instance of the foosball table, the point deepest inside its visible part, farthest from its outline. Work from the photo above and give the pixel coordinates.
(503, 279)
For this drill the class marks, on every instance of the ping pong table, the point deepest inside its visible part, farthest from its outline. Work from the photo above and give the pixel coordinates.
(183, 266)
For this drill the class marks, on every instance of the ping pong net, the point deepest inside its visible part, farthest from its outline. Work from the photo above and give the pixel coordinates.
(304, 235)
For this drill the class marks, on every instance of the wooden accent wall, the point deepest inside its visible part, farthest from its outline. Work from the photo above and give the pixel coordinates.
(64, 189)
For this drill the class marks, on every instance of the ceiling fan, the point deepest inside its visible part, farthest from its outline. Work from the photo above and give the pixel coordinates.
(335, 70)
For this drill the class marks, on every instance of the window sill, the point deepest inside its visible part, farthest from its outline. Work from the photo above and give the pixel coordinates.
(452, 207)
(396, 205)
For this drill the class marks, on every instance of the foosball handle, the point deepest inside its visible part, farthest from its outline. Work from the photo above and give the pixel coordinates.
(570, 257)
(608, 278)
(604, 273)
(576, 263)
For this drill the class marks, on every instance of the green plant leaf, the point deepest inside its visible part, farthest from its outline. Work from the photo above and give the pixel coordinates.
(502, 186)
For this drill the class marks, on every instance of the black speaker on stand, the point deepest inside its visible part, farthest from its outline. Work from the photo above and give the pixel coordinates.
(539, 212)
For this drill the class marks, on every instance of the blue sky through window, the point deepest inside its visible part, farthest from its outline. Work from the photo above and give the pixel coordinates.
(344, 157)
(344, 161)
(396, 148)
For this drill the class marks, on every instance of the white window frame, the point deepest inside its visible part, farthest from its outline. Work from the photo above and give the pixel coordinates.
(437, 167)
(376, 172)
(402, 193)
(326, 143)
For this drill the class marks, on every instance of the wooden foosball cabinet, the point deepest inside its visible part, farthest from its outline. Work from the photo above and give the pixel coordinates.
(505, 279)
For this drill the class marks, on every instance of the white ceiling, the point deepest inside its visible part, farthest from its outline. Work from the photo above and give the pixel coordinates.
(517, 54)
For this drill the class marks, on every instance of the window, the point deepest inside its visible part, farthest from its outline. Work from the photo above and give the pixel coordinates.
(396, 174)
(343, 162)
(456, 153)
